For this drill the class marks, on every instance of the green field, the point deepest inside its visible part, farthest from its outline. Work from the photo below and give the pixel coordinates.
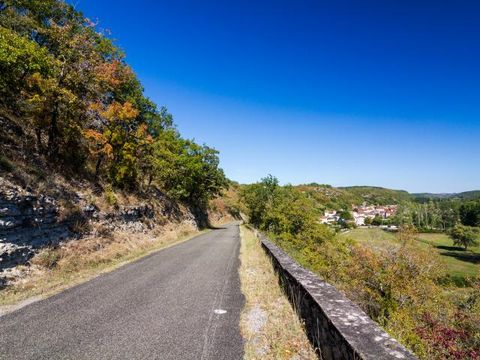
(459, 264)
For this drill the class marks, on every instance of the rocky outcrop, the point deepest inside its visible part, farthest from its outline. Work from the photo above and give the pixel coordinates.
(27, 222)
(31, 221)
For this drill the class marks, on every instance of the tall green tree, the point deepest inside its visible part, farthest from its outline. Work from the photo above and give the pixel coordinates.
(188, 171)
(470, 213)
(465, 236)
(258, 197)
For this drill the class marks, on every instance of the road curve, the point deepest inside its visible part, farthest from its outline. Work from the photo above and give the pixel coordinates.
(162, 306)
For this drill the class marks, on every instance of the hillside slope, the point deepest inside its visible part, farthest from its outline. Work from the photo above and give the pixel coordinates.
(329, 197)
(466, 195)
(84, 154)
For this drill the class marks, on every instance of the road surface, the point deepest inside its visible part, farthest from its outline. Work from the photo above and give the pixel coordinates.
(183, 302)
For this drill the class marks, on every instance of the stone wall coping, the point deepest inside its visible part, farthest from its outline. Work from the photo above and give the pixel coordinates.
(365, 338)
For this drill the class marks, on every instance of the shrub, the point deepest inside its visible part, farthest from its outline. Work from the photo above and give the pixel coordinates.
(110, 196)
(81, 227)
(47, 258)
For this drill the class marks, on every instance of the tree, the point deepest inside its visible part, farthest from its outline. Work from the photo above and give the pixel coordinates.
(345, 215)
(257, 197)
(57, 91)
(186, 170)
(377, 220)
(289, 211)
(20, 59)
(470, 213)
(464, 236)
(75, 94)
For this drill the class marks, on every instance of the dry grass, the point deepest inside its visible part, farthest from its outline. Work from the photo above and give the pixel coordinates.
(74, 262)
(269, 325)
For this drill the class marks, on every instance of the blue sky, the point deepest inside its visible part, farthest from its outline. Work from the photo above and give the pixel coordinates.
(383, 93)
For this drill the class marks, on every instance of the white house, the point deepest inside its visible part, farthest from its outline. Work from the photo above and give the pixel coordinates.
(329, 217)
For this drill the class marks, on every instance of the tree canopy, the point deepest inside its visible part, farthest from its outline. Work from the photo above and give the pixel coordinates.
(84, 106)
(465, 236)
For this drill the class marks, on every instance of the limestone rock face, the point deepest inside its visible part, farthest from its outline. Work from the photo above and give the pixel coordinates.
(27, 222)
(31, 221)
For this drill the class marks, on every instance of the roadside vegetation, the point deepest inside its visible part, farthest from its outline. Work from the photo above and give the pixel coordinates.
(460, 265)
(404, 287)
(269, 325)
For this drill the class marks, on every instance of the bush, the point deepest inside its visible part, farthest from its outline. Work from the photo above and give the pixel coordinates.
(47, 258)
(81, 227)
(110, 196)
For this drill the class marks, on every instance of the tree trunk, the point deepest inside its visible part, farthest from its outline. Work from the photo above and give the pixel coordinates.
(53, 134)
(97, 166)
(38, 133)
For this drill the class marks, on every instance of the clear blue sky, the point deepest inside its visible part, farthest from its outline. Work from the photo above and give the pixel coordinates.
(383, 93)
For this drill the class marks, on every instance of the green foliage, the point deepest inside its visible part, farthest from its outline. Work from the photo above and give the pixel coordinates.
(285, 212)
(342, 198)
(398, 286)
(257, 198)
(433, 215)
(188, 171)
(345, 215)
(427, 213)
(470, 213)
(466, 195)
(465, 236)
(110, 197)
(377, 220)
(377, 195)
(21, 58)
(86, 109)
(459, 268)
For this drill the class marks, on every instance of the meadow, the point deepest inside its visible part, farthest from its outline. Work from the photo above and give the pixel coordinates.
(459, 264)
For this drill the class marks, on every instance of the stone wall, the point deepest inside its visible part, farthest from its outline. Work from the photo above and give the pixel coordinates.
(337, 328)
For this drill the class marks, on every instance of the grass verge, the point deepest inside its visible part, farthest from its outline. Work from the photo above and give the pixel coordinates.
(55, 269)
(270, 327)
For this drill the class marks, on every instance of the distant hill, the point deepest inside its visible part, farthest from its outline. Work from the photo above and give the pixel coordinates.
(330, 197)
(379, 195)
(466, 195)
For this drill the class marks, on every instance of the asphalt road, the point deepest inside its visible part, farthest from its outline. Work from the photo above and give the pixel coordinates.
(168, 305)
